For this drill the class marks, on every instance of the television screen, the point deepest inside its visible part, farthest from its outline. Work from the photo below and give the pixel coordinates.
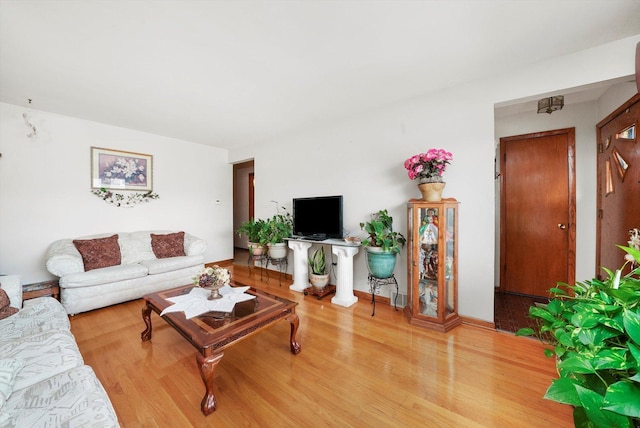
(318, 218)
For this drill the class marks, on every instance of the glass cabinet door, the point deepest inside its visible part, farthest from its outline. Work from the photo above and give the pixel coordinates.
(428, 264)
(450, 255)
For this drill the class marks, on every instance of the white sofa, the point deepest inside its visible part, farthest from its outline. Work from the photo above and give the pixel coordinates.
(138, 270)
(43, 379)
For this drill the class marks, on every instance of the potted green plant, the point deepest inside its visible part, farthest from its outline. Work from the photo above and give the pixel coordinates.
(594, 328)
(318, 276)
(254, 231)
(382, 245)
(277, 229)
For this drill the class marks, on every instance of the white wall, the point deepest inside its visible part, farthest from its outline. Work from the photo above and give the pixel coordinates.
(614, 98)
(361, 158)
(45, 188)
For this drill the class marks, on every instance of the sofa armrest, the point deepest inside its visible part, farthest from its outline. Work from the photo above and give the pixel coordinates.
(63, 258)
(13, 286)
(194, 246)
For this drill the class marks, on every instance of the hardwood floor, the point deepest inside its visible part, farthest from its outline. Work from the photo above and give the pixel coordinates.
(354, 371)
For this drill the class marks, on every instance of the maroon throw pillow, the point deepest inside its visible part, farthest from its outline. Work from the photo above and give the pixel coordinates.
(5, 309)
(99, 253)
(170, 245)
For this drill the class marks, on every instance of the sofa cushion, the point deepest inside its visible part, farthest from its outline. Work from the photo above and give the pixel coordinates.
(9, 368)
(103, 276)
(170, 245)
(135, 246)
(157, 266)
(11, 284)
(98, 253)
(74, 398)
(5, 310)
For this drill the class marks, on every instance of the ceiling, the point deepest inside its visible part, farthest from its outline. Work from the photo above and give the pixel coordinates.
(232, 73)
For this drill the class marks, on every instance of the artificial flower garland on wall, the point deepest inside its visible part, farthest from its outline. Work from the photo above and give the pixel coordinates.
(122, 200)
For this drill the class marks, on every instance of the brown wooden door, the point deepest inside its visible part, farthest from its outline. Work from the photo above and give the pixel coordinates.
(618, 183)
(537, 205)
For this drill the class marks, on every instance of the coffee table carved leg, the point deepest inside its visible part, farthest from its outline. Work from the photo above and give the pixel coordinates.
(207, 369)
(295, 321)
(146, 317)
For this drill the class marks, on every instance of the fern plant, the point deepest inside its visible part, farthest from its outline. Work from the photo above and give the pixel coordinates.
(594, 328)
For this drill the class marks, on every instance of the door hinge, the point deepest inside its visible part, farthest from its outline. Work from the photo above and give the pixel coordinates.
(600, 214)
(600, 150)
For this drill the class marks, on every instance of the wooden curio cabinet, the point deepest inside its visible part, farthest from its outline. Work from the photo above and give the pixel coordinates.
(432, 277)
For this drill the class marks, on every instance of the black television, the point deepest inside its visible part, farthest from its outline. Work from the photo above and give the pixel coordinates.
(318, 218)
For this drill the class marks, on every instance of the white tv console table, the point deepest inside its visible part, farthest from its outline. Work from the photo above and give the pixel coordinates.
(344, 276)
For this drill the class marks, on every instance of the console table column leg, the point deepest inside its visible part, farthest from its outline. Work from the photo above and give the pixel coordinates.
(344, 280)
(207, 367)
(300, 265)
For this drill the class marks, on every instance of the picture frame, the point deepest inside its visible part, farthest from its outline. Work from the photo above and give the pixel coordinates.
(121, 170)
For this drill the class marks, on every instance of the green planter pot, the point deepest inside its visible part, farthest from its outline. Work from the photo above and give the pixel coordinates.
(380, 263)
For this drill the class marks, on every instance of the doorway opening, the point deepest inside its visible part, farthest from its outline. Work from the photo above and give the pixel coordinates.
(243, 206)
(537, 221)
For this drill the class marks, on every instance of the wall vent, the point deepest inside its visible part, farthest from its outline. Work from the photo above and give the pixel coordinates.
(402, 299)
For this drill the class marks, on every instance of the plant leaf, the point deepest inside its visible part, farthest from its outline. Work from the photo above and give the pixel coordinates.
(634, 253)
(558, 291)
(542, 313)
(631, 322)
(555, 307)
(584, 319)
(563, 391)
(623, 398)
(564, 338)
(614, 322)
(635, 352)
(614, 359)
(527, 331)
(576, 364)
(592, 403)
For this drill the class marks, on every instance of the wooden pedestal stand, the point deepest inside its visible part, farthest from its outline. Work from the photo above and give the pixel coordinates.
(329, 289)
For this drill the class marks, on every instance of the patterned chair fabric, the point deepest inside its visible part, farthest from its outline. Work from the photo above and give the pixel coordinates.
(50, 386)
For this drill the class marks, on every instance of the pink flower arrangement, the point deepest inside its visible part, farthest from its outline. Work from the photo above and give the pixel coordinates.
(428, 167)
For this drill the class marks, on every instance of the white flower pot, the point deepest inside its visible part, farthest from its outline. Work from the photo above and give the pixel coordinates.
(278, 251)
(318, 281)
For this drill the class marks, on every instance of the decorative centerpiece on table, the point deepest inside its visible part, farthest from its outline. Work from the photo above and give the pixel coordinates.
(212, 278)
(428, 168)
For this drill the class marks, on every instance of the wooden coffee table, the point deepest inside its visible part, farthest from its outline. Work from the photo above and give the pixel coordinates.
(212, 332)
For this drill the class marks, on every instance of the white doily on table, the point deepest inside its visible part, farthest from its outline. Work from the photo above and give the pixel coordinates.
(196, 302)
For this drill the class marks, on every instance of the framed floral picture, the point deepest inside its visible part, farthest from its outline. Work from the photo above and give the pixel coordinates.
(118, 170)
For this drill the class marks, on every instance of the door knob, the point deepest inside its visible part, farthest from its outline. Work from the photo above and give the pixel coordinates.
(562, 226)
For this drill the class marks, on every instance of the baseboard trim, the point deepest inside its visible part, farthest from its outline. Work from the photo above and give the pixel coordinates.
(221, 263)
(474, 322)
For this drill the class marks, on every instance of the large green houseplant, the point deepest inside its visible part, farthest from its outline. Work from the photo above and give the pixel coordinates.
(255, 231)
(594, 328)
(382, 245)
(277, 229)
